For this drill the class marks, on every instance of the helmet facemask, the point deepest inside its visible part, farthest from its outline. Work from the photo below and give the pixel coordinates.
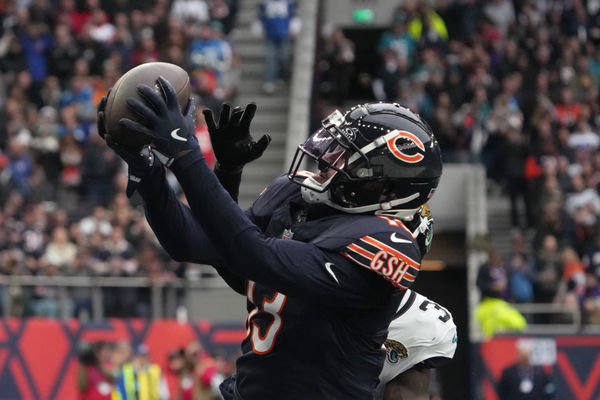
(329, 149)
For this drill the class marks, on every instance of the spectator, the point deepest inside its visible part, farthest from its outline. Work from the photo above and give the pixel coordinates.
(494, 314)
(36, 43)
(210, 51)
(427, 27)
(64, 53)
(399, 43)
(524, 381)
(492, 278)
(340, 57)
(185, 380)
(60, 251)
(548, 267)
(190, 11)
(590, 300)
(99, 167)
(389, 77)
(101, 30)
(515, 156)
(94, 380)
(521, 274)
(141, 379)
(501, 13)
(278, 27)
(20, 165)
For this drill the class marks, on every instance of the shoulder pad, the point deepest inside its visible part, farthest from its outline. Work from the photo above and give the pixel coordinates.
(380, 244)
(278, 193)
(423, 323)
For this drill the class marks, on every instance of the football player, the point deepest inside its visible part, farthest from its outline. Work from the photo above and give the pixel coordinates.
(421, 336)
(324, 259)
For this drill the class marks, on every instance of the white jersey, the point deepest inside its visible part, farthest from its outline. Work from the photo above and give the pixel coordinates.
(421, 330)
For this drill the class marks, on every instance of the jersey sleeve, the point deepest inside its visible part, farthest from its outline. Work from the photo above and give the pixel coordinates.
(393, 254)
(177, 230)
(291, 267)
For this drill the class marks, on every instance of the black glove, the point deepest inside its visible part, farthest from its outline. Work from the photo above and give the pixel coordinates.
(139, 162)
(231, 140)
(171, 131)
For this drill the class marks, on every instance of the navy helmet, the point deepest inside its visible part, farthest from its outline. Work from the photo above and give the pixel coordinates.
(378, 157)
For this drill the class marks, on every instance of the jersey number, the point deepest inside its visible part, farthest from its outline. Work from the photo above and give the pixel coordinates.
(263, 344)
(446, 315)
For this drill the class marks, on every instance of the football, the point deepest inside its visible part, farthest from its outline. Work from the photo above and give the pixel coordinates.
(116, 107)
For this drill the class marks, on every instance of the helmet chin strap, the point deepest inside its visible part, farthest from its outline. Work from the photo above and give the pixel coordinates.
(404, 214)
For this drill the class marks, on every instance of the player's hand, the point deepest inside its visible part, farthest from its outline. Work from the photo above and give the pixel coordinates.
(231, 140)
(139, 162)
(171, 130)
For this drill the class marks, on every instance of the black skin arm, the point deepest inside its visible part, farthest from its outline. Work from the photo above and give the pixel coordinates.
(412, 384)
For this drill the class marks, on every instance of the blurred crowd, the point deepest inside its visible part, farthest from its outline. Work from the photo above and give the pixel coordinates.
(63, 210)
(511, 84)
(109, 371)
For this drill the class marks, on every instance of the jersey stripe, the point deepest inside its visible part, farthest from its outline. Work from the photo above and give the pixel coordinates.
(402, 285)
(391, 250)
(357, 249)
(401, 271)
(410, 272)
(398, 223)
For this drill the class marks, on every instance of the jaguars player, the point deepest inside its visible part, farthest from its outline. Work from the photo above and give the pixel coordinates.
(421, 336)
(324, 259)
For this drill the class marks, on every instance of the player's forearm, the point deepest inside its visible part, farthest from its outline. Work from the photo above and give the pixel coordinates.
(230, 180)
(291, 267)
(172, 222)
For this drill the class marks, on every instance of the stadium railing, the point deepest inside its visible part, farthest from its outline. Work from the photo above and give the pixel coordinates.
(163, 291)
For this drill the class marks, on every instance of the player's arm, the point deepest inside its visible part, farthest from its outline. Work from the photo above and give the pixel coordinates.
(291, 267)
(165, 213)
(412, 384)
(173, 223)
(168, 217)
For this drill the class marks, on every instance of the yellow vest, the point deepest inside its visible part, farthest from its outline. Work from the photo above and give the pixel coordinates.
(415, 26)
(496, 315)
(146, 382)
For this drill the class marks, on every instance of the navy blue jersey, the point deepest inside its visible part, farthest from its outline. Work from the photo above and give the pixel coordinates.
(322, 286)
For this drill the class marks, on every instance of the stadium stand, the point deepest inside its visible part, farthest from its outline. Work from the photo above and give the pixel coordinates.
(63, 211)
(512, 85)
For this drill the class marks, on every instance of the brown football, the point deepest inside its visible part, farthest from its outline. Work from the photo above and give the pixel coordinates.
(148, 73)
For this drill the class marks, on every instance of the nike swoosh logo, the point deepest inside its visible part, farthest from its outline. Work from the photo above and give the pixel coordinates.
(395, 239)
(454, 339)
(328, 268)
(175, 136)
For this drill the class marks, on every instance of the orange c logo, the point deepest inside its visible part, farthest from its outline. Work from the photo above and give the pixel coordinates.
(414, 158)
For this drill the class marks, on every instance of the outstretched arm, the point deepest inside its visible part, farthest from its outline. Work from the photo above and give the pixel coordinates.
(167, 216)
(289, 266)
(173, 223)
